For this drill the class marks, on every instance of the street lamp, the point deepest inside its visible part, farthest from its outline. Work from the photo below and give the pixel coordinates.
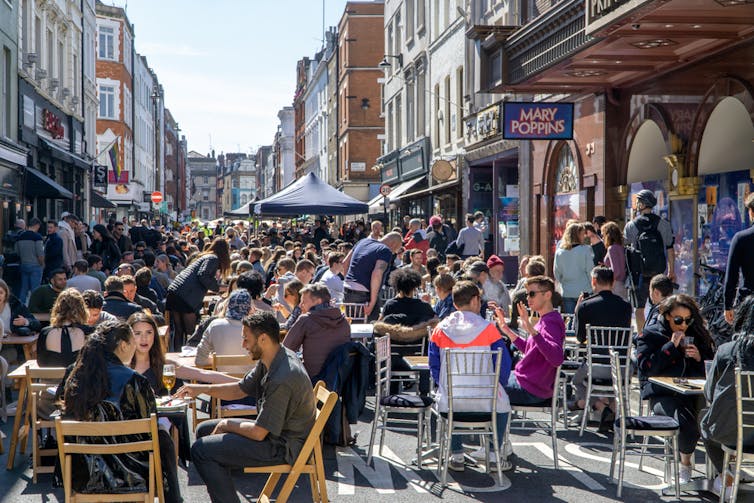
(386, 64)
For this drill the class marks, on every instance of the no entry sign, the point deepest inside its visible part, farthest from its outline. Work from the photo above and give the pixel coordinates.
(156, 197)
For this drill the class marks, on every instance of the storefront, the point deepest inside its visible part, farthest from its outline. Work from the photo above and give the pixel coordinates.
(55, 179)
(12, 160)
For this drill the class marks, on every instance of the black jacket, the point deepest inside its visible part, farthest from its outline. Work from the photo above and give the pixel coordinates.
(604, 309)
(658, 356)
(346, 371)
(192, 283)
(17, 308)
(117, 305)
(109, 252)
(720, 421)
(739, 259)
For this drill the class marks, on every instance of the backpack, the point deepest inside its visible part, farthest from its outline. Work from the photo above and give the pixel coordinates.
(651, 245)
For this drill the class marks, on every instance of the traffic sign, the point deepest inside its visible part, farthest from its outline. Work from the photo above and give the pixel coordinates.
(156, 197)
(385, 189)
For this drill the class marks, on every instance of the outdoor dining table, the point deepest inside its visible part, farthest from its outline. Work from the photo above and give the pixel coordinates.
(27, 341)
(362, 331)
(417, 363)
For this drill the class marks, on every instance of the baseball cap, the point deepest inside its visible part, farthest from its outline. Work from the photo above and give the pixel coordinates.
(435, 220)
(478, 268)
(493, 261)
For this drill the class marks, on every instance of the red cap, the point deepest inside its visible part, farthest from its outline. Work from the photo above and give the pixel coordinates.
(494, 260)
(434, 220)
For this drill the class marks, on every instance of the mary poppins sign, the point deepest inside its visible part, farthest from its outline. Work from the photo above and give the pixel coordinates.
(538, 121)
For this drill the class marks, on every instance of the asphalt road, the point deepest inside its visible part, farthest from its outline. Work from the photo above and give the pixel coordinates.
(583, 474)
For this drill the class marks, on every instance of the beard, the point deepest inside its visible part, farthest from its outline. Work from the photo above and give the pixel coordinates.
(256, 352)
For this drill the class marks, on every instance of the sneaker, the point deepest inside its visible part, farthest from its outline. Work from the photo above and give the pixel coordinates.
(479, 455)
(684, 474)
(717, 486)
(456, 463)
(507, 448)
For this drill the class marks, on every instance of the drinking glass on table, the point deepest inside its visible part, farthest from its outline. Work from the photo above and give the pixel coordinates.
(168, 376)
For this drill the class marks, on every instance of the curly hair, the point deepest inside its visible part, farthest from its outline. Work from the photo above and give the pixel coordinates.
(571, 236)
(89, 383)
(156, 355)
(405, 281)
(69, 307)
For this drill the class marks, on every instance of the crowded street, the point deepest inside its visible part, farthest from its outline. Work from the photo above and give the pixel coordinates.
(377, 250)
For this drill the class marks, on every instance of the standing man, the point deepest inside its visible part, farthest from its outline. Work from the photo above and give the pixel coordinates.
(595, 241)
(30, 249)
(286, 412)
(416, 238)
(320, 233)
(740, 261)
(68, 235)
(121, 238)
(376, 230)
(366, 264)
(471, 239)
(653, 237)
(53, 250)
(438, 238)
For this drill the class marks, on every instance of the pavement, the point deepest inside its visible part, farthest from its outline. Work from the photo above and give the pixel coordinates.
(583, 474)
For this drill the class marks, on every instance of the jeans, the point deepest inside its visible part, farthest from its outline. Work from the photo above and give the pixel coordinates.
(456, 441)
(579, 378)
(31, 278)
(356, 297)
(215, 456)
(518, 395)
(569, 305)
(685, 410)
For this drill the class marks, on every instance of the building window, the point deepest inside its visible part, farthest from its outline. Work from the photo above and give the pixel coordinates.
(447, 109)
(106, 102)
(459, 102)
(206, 179)
(438, 116)
(409, 108)
(410, 20)
(106, 43)
(5, 94)
(389, 126)
(398, 120)
(420, 101)
(420, 16)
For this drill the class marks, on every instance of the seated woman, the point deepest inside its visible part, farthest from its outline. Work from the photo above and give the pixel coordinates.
(676, 345)
(15, 317)
(288, 311)
(719, 425)
(101, 387)
(224, 335)
(59, 343)
(406, 320)
(148, 360)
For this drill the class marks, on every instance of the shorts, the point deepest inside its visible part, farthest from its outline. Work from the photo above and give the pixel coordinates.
(642, 292)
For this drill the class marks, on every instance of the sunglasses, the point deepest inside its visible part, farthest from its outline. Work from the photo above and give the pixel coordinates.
(680, 319)
(533, 293)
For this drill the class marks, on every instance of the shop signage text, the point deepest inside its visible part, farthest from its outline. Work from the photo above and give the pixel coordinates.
(482, 187)
(538, 121)
(603, 13)
(598, 8)
(100, 175)
(52, 124)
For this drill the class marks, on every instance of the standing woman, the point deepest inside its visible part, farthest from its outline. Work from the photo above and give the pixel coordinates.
(186, 292)
(104, 245)
(573, 266)
(615, 258)
(676, 345)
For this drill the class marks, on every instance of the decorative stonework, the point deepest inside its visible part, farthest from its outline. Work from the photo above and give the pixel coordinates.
(567, 177)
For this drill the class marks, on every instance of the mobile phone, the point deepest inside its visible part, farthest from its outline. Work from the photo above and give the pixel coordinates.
(680, 380)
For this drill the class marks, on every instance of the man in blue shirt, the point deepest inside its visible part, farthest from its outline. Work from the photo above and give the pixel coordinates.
(366, 264)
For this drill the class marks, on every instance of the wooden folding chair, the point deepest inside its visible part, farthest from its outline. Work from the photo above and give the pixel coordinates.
(37, 382)
(236, 366)
(68, 444)
(309, 459)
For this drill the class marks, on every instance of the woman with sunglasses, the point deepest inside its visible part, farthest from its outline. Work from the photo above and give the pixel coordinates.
(675, 345)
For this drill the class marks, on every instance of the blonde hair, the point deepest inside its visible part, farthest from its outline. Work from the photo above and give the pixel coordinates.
(69, 307)
(571, 237)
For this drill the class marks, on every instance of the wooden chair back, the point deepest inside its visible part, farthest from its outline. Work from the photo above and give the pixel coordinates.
(236, 366)
(38, 380)
(67, 433)
(310, 458)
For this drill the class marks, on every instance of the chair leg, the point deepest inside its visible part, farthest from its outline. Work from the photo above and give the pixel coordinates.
(554, 437)
(724, 475)
(676, 455)
(419, 439)
(385, 416)
(613, 456)
(374, 429)
(34, 451)
(622, 463)
(288, 485)
(320, 466)
(496, 447)
(587, 408)
(315, 491)
(269, 486)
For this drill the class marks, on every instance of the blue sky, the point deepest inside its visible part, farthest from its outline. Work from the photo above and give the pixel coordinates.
(228, 66)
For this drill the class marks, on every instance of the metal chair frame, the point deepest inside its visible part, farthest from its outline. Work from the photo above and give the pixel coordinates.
(745, 424)
(479, 364)
(356, 312)
(620, 438)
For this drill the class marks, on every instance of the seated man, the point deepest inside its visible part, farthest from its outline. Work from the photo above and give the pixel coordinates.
(444, 284)
(319, 330)
(44, 296)
(116, 302)
(286, 412)
(94, 302)
(465, 329)
(332, 278)
(601, 309)
(80, 280)
(532, 380)
(494, 288)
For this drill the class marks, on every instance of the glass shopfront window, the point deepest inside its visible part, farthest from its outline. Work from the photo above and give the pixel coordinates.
(720, 214)
(507, 211)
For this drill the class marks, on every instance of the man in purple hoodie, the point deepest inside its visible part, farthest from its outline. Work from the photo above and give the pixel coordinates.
(532, 380)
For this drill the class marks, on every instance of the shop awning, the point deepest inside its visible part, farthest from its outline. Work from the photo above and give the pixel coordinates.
(66, 156)
(41, 186)
(377, 204)
(431, 190)
(100, 201)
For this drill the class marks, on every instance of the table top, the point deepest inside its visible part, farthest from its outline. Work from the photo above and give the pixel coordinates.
(359, 330)
(20, 339)
(183, 361)
(417, 362)
(693, 386)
